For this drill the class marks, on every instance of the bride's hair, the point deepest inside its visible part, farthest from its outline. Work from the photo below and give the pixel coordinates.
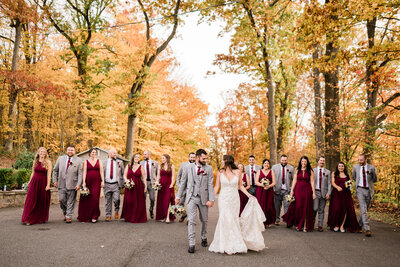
(229, 163)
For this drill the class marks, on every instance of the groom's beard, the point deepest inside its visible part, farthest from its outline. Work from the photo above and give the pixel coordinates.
(191, 161)
(202, 163)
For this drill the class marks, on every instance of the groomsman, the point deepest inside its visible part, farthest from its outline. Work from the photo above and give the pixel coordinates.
(323, 190)
(67, 177)
(251, 171)
(150, 168)
(192, 159)
(365, 176)
(284, 177)
(113, 182)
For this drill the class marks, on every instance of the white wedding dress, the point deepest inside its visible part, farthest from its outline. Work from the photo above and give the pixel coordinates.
(234, 235)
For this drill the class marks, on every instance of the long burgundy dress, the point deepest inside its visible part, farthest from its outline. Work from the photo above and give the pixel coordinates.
(165, 196)
(243, 197)
(37, 202)
(342, 204)
(302, 208)
(89, 205)
(266, 199)
(134, 208)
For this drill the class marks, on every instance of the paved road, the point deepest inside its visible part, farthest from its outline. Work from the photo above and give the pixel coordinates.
(156, 244)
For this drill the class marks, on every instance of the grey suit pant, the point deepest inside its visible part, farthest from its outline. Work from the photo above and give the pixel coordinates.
(319, 207)
(150, 192)
(192, 206)
(278, 199)
(252, 190)
(364, 199)
(67, 201)
(112, 195)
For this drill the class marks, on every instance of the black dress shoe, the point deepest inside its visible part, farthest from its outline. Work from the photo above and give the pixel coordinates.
(191, 249)
(151, 214)
(204, 242)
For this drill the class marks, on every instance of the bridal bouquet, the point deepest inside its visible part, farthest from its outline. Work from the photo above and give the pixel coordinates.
(177, 210)
(156, 186)
(349, 185)
(84, 191)
(265, 182)
(25, 186)
(290, 198)
(129, 184)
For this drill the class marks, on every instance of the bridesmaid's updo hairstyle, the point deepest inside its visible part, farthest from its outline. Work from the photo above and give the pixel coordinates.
(133, 159)
(265, 160)
(91, 149)
(229, 163)
(308, 166)
(345, 170)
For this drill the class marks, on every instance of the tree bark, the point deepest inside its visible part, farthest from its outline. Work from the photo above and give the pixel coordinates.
(13, 89)
(318, 127)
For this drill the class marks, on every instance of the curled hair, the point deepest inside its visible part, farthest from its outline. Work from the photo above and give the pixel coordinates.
(133, 159)
(91, 149)
(46, 158)
(229, 163)
(308, 166)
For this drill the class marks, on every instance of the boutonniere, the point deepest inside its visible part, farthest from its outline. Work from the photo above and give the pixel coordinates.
(287, 170)
(324, 174)
(254, 171)
(367, 172)
(118, 165)
(152, 164)
(70, 163)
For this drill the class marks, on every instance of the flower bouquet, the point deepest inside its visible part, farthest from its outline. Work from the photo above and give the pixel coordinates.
(349, 185)
(265, 182)
(25, 186)
(244, 184)
(290, 198)
(177, 210)
(84, 191)
(129, 184)
(156, 186)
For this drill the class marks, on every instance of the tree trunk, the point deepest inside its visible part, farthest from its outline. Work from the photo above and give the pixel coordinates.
(13, 90)
(372, 92)
(130, 137)
(27, 132)
(318, 127)
(271, 129)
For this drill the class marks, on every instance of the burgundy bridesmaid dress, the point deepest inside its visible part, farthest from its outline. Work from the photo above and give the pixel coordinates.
(89, 205)
(341, 205)
(266, 199)
(301, 210)
(134, 207)
(243, 197)
(165, 196)
(37, 202)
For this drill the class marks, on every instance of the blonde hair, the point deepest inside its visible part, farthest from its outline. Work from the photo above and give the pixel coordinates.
(45, 161)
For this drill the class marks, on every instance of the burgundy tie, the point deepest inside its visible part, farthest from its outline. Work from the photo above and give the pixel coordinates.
(198, 170)
(148, 171)
(364, 177)
(320, 179)
(283, 175)
(68, 163)
(112, 170)
(252, 176)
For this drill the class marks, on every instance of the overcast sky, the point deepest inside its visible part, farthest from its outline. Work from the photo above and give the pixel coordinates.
(195, 48)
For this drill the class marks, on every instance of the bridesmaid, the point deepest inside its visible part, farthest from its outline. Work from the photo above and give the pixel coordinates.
(166, 195)
(265, 195)
(300, 212)
(341, 209)
(93, 179)
(134, 208)
(37, 202)
(245, 179)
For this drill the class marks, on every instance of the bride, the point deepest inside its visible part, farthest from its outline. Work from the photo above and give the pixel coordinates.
(234, 234)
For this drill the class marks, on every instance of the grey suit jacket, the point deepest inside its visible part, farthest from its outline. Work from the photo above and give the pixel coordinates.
(326, 187)
(153, 171)
(247, 171)
(277, 169)
(371, 176)
(187, 184)
(180, 172)
(120, 171)
(70, 178)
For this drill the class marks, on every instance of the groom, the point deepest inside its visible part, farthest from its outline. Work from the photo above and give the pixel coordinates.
(197, 181)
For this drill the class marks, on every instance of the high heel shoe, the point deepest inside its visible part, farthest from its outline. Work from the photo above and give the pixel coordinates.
(342, 230)
(336, 229)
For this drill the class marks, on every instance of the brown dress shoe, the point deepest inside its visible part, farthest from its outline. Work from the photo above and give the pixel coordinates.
(368, 233)
(320, 229)
(277, 223)
(116, 216)
(68, 220)
(108, 218)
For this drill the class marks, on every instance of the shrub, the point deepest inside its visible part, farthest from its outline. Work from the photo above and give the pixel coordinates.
(24, 160)
(21, 176)
(6, 178)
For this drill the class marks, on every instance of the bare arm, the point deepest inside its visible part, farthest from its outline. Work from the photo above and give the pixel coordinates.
(158, 175)
(126, 173)
(273, 180)
(143, 178)
(243, 189)
(338, 188)
(101, 173)
(217, 183)
(294, 182)
(32, 173)
(84, 172)
(256, 180)
(247, 181)
(49, 166)
(312, 180)
(173, 177)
